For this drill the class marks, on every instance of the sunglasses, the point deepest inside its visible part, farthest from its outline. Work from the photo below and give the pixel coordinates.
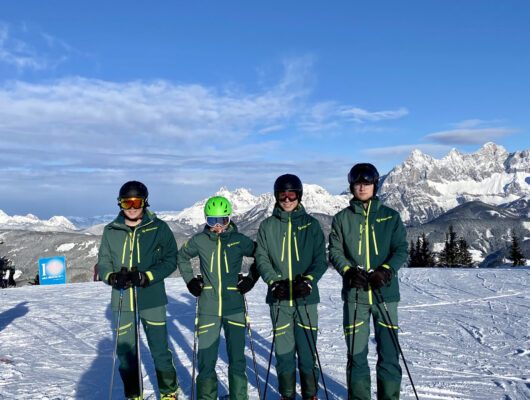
(213, 221)
(291, 196)
(132, 202)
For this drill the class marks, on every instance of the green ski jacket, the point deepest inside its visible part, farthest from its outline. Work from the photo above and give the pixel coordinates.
(150, 247)
(291, 244)
(220, 259)
(368, 238)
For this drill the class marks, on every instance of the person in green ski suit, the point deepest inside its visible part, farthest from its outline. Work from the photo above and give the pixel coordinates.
(220, 248)
(367, 246)
(291, 258)
(138, 249)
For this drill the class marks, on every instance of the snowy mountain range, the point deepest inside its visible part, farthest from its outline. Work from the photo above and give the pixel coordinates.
(423, 188)
(484, 195)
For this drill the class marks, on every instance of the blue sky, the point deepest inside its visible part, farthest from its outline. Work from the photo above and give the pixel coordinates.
(191, 97)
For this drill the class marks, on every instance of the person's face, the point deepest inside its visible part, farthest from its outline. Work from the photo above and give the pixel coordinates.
(134, 213)
(288, 201)
(133, 208)
(363, 191)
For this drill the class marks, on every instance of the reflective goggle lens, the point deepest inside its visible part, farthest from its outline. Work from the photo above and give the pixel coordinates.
(283, 196)
(132, 202)
(212, 221)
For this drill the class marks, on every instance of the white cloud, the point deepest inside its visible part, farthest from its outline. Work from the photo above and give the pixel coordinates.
(359, 115)
(467, 136)
(406, 149)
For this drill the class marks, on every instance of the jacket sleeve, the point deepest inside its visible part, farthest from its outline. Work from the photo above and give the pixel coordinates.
(188, 251)
(336, 248)
(105, 265)
(249, 250)
(263, 261)
(167, 263)
(319, 264)
(398, 246)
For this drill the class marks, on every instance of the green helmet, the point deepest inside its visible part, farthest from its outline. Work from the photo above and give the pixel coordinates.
(217, 206)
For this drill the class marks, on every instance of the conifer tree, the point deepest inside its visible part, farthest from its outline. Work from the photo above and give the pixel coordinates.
(448, 256)
(463, 256)
(516, 256)
(426, 253)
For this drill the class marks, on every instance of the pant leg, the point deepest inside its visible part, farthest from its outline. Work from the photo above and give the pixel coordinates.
(388, 369)
(234, 326)
(127, 354)
(285, 349)
(208, 334)
(356, 334)
(154, 322)
(305, 332)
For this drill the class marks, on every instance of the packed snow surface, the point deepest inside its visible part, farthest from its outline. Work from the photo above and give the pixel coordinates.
(465, 335)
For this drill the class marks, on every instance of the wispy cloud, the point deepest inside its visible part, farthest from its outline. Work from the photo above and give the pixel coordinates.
(359, 115)
(27, 49)
(468, 136)
(406, 149)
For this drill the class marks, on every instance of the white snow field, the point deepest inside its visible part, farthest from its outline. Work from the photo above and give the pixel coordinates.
(465, 335)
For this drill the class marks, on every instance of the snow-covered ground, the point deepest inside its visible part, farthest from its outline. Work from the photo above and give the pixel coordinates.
(465, 334)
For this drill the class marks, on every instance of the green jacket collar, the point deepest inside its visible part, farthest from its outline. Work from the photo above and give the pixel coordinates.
(283, 216)
(232, 228)
(119, 222)
(358, 208)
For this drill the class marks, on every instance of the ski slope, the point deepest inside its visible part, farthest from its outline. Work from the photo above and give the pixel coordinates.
(465, 334)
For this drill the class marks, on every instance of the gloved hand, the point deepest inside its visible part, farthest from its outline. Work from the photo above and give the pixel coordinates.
(380, 277)
(195, 286)
(245, 283)
(355, 277)
(139, 278)
(280, 289)
(302, 287)
(120, 280)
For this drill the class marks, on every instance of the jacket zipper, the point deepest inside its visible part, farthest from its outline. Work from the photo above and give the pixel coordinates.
(219, 289)
(290, 264)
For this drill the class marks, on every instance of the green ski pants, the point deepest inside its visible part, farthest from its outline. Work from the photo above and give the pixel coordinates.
(296, 335)
(209, 331)
(154, 323)
(388, 368)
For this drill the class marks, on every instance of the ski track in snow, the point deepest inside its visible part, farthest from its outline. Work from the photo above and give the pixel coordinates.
(465, 335)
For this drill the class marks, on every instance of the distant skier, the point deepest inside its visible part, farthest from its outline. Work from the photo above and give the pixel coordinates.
(146, 247)
(220, 248)
(291, 258)
(367, 246)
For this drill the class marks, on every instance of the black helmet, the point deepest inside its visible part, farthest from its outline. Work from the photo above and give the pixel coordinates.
(288, 183)
(363, 173)
(134, 189)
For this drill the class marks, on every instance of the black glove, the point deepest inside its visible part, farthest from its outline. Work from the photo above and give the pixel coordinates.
(355, 277)
(195, 286)
(302, 287)
(139, 278)
(120, 280)
(380, 277)
(245, 283)
(280, 289)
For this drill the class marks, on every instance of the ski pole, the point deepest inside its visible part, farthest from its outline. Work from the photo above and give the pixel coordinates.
(195, 336)
(351, 352)
(314, 345)
(272, 347)
(380, 299)
(115, 345)
(247, 320)
(138, 355)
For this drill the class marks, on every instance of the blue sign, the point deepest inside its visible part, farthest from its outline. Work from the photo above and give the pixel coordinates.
(52, 270)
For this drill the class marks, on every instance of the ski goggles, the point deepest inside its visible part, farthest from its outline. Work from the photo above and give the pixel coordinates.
(284, 196)
(213, 221)
(132, 202)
